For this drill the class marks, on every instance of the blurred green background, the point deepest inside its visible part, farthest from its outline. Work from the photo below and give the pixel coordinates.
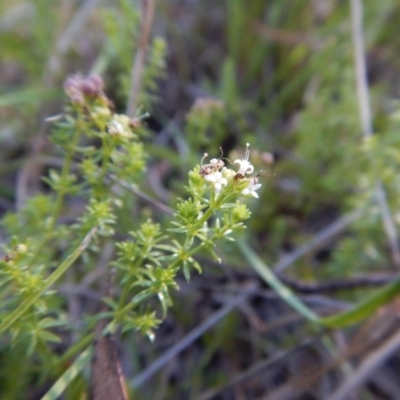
(277, 74)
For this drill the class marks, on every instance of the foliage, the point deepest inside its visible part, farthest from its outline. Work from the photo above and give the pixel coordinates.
(279, 75)
(105, 148)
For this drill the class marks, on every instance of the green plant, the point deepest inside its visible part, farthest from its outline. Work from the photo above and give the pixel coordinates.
(90, 247)
(101, 149)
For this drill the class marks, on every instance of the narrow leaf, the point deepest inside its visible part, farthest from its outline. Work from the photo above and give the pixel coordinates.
(363, 310)
(69, 375)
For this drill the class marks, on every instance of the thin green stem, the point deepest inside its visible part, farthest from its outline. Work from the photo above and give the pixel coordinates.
(125, 291)
(75, 348)
(124, 295)
(173, 265)
(106, 151)
(205, 217)
(215, 204)
(61, 193)
(64, 174)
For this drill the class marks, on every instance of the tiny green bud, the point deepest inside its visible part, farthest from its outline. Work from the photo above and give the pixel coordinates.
(100, 112)
(21, 248)
(240, 212)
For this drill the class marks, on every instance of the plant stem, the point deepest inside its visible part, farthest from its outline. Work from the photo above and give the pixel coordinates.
(64, 174)
(60, 195)
(75, 348)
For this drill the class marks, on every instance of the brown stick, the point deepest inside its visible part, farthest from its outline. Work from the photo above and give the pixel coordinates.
(107, 381)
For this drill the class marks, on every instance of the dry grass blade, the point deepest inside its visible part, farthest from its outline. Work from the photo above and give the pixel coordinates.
(137, 69)
(367, 368)
(255, 369)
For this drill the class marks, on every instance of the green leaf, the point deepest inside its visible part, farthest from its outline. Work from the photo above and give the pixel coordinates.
(168, 258)
(166, 247)
(228, 205)
(268, 276)
(69, 375)
(110, 302)
(49, 337)
(178, 230)
(196, 265)
(142, 296)
(363, 310)
(186, 271)
(164, 300)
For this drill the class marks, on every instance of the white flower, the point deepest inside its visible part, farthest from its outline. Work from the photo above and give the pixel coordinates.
(119, 126)
(115, 128)
(245, 164)
(216, 163)
(217, 180)
(252, 187)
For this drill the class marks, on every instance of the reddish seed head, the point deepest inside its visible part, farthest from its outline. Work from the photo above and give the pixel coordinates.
(97, 81)
(77, 98)
(87, 87)
(71, 84)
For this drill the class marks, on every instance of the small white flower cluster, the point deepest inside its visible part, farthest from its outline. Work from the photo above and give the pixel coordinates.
(218, 175)
(120, 125)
